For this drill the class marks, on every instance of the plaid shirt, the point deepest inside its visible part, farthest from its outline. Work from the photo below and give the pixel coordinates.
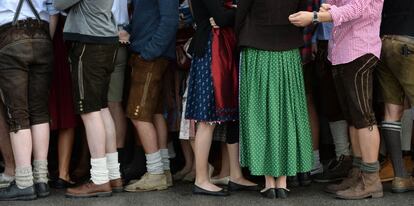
(306, 50)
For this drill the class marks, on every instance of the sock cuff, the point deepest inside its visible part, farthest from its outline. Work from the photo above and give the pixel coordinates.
(164, 153)
(389, 125)
(153, 158)
(357, 162)
(112, 157)
(40, 163)
(24, 170)
(370, 167)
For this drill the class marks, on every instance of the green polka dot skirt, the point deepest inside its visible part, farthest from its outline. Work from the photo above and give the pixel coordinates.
(275, 137)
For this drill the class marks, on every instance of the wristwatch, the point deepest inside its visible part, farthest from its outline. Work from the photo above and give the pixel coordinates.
(315, 19)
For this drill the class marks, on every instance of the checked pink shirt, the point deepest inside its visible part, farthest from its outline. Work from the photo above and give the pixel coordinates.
(356, 29)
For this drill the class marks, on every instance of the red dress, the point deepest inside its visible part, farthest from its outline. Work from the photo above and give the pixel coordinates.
(61, 108)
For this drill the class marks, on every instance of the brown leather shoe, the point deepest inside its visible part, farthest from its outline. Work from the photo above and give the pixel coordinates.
(387, 171)
(352, 179)
(369, 186)
(400, 185)
(89, 189)
(117, 185)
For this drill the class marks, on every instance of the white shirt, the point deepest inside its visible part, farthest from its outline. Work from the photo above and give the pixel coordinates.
(8, 10)
(120, 12)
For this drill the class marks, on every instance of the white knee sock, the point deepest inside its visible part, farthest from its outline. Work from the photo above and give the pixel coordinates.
(339, 131)
(317, 166)
(165, 159)
(24, 177)
(40, 171)
(113, 165)
(99, 171)
(154, 163)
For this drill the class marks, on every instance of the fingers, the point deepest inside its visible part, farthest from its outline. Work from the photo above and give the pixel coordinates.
(326, 7)
(213, 23)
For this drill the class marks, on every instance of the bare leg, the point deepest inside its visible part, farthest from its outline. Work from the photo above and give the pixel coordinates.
(95, 134)
(148, 136)
(356, 149)
(203, 141)
(117, 113)
(281, 182)
(65, 146)
(270, 182)
(162, 130)
(369, 144)
(225, 163)
(40, 135)
(188, 156)
(313, 119)
(236, 174)
(110, 132)
(21, 142)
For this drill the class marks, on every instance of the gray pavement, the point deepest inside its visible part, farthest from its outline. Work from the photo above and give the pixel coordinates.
(181, 195)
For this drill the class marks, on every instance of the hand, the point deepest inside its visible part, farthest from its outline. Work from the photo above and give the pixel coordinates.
(301, 19)
(325, 7)
(234, 6)
(213, 23)
(123, 37)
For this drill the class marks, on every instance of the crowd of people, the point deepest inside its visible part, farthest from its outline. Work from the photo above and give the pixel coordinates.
(270, 81)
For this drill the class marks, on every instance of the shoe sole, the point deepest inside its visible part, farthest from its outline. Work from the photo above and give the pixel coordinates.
(147, 190)
(22, 198)
(387, 179)
(117, 189)
(401, 190)
(42, 195)
(100, 194)
(328, 181)
(372, 195)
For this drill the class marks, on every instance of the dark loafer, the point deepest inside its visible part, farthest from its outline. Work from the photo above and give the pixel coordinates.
(269, 193)
(232, 187)
(305, 179)
(282, 193)
(200, 191)
(13, 193)
(61, 184)
(42, 189)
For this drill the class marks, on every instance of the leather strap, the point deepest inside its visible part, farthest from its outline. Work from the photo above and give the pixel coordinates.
(19, 8)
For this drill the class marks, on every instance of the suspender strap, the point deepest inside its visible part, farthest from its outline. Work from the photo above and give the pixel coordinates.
(19, 8)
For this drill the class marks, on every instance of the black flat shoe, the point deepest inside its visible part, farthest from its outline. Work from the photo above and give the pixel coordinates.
(269, 193)
(232, 187)
(42, 189)
(282, 193)
(13, 193)
(200, 191)
(305, 179)
(61, 184)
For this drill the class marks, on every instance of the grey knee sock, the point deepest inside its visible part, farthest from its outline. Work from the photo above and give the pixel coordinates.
(24, 177)
(40, 171)
(391, 131)
(370, 167)
(357, 162)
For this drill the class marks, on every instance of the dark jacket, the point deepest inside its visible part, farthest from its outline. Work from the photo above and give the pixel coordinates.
(153, 28)
(264, 24)
(398, 17)
(202, 11)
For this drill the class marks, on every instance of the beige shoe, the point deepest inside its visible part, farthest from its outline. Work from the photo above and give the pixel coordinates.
(148, 182)
(220, 181)
(369, 186)
(400, 184)
(351, 180)
(169, 178)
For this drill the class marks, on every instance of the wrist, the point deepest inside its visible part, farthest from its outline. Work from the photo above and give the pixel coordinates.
(315, 18)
